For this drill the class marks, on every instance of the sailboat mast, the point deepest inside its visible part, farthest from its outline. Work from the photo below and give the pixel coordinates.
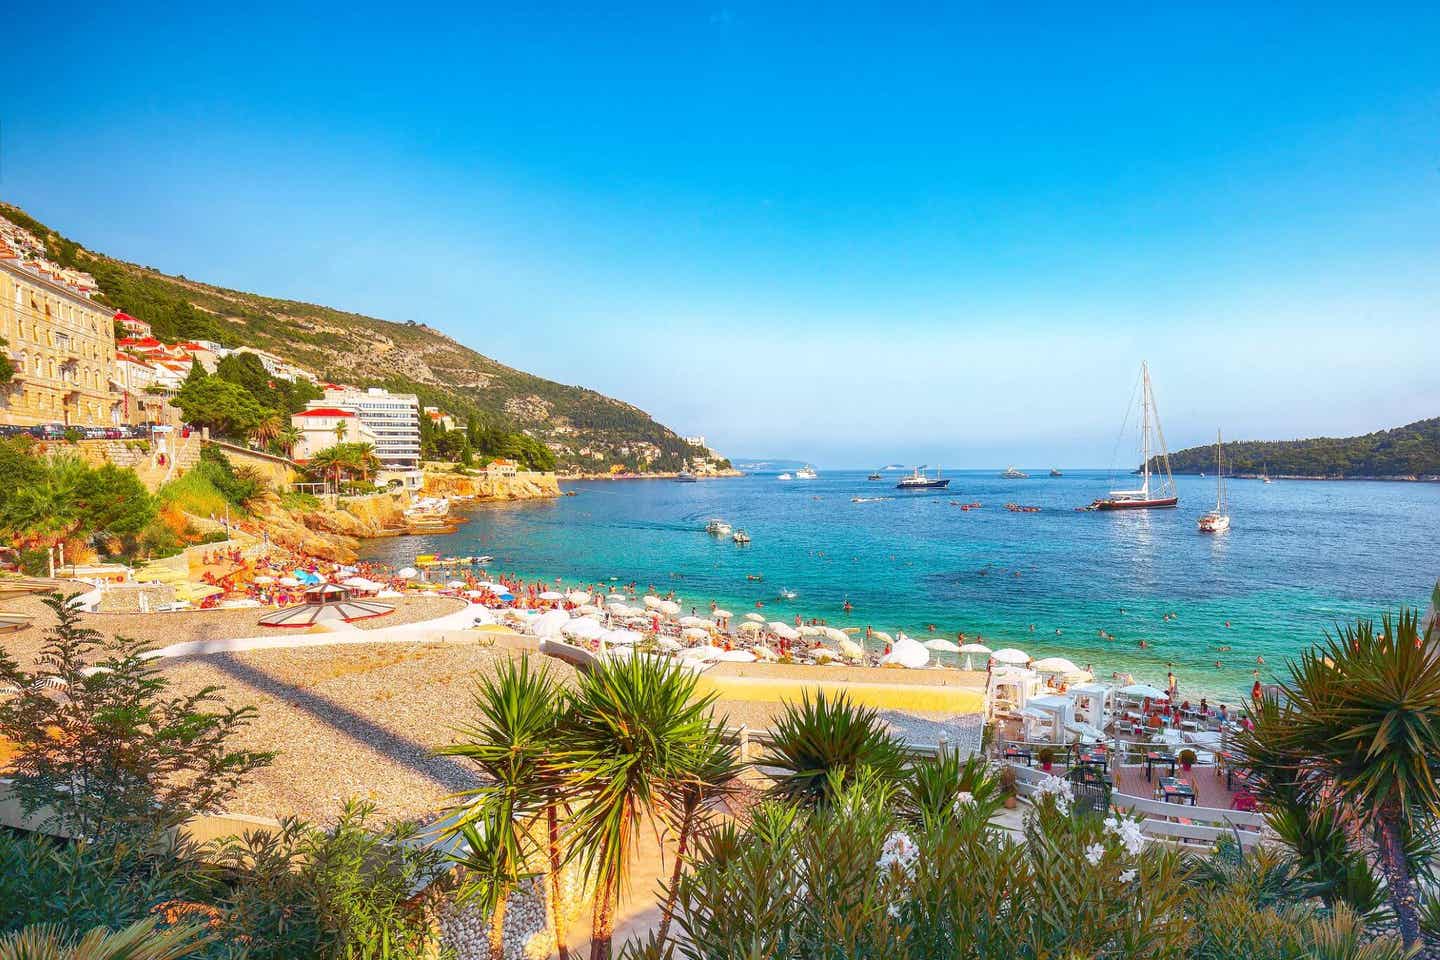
(1219, 474)
(1145, 426)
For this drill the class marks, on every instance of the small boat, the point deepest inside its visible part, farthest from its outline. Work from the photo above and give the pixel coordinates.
(806, 472)
(1012, 474)
(1265, 474)
(785, 476)
(741, 537)
(787, 594)
(875, 476)
(1021, 508)
(869, 499)
(685, 476)
(1217, 520)
(919, 481)
(1055, 473)
(718, 527)
(754, 577)
(1143, 497)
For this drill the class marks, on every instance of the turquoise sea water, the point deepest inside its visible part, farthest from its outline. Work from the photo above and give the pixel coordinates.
(1300, 555)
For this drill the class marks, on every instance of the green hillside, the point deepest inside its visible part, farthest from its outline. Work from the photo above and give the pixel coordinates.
(1409, 451)
(586, 429)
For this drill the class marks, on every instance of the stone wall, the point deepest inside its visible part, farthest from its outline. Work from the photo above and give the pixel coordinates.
(278, 471)
(142, 456)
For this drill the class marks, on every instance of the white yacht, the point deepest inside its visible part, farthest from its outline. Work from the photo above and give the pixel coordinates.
(806, 472)
(1217, 520)
(718, 527)
(785, 476)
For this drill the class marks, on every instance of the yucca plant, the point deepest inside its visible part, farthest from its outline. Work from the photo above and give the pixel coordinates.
(630, 730)
(828, 735)
(1360, 729)
(144, 940)
(511, 742)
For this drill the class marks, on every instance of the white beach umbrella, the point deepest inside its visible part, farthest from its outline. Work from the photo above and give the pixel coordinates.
(289, 582)
(735, 656)
(701, 653)
(618, 608)
(622, 638)
(407, 573)
(695, 633)
(1054, 665)
(552, 595)
(668, 607)
(456, 584)
(907, 653)
(941, 645)
(807, 630)
(651, 601)
(755, 617)
(783, 630)
(722, 614)
(822, 654)
(838, 636)
(578, 597)
(749, 629)
(638, 621)
(1012, 656)
(351, 582)
(764, 652)
(549, 624)
(493, 587)
(584, 628)
(1141, 690)
(970, 649)
(474, 593)
(850, 649)
(693, 622)
(617, 596)
(882, 637)
(668, 643)
(588, 609)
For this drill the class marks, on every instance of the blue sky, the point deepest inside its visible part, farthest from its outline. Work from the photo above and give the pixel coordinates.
(850, 234)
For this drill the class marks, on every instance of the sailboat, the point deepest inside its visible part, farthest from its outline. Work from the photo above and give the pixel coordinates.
(1217, 520)
(1265, 474)
(1144, 497)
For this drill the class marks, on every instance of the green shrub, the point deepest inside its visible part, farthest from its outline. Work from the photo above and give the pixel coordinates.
(298, 500)
(195, 494)
(826, 735)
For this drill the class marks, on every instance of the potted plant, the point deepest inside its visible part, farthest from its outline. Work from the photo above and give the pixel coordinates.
(1187, 759)
(1008, 788)
(1046, 756)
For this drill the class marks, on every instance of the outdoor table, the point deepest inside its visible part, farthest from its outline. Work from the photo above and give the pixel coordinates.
(1094, 757)
(1015, 753)
(1153, 757)
(1177, 791)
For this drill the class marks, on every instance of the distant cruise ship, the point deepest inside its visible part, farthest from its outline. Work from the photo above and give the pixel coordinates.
(918, 481)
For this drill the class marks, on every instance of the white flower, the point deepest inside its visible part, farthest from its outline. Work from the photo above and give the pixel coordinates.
(1128, 831)
(1057, 788)
(964, 799)
(1127, 876)
(894, 911)
(1095, 853)
(899, 851)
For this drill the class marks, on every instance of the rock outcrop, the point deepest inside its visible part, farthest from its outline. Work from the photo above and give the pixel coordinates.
(526, 485)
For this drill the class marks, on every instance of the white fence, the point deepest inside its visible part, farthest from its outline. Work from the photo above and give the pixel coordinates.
(1168, 821)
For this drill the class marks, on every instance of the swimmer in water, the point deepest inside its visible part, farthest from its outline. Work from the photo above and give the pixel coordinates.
(1261, 661)
(1143, 645)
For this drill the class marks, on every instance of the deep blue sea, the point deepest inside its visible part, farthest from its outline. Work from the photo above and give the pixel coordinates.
(1299, 556)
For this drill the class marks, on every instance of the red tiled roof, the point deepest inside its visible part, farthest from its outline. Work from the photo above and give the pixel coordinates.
(325, 412)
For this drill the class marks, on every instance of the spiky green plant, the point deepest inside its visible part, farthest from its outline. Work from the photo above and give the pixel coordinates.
(1359, 728)
(948, 785)
(143, 940)
(827, 735)
(630, 729)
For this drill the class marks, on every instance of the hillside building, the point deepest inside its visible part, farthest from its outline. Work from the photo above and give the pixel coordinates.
(393, 419)
(61, 344)
(322, 427)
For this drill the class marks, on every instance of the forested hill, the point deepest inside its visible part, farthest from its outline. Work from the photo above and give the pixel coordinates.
(585, 429)
(1406, 452)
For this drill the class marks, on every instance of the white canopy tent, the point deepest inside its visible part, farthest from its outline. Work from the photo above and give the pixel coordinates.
(1061, 711)
(1092, 704)
(1008, 689)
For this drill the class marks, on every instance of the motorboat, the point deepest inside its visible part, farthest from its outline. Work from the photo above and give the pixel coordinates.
(875, 476)
(919, 481)
(718, 527)
(1055, 473)
(1012, 474)
(685, 476)
(785, 476)
(806, 472)
(741, 537)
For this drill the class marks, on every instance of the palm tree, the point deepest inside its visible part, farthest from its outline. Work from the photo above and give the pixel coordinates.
(139, 941)
(267, 430)
(632, 728)
(289, 436)
(510, 743)
(1359, 729)
(708, 774)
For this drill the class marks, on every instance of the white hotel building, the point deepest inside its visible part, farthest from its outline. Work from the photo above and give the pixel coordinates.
(392, 418)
